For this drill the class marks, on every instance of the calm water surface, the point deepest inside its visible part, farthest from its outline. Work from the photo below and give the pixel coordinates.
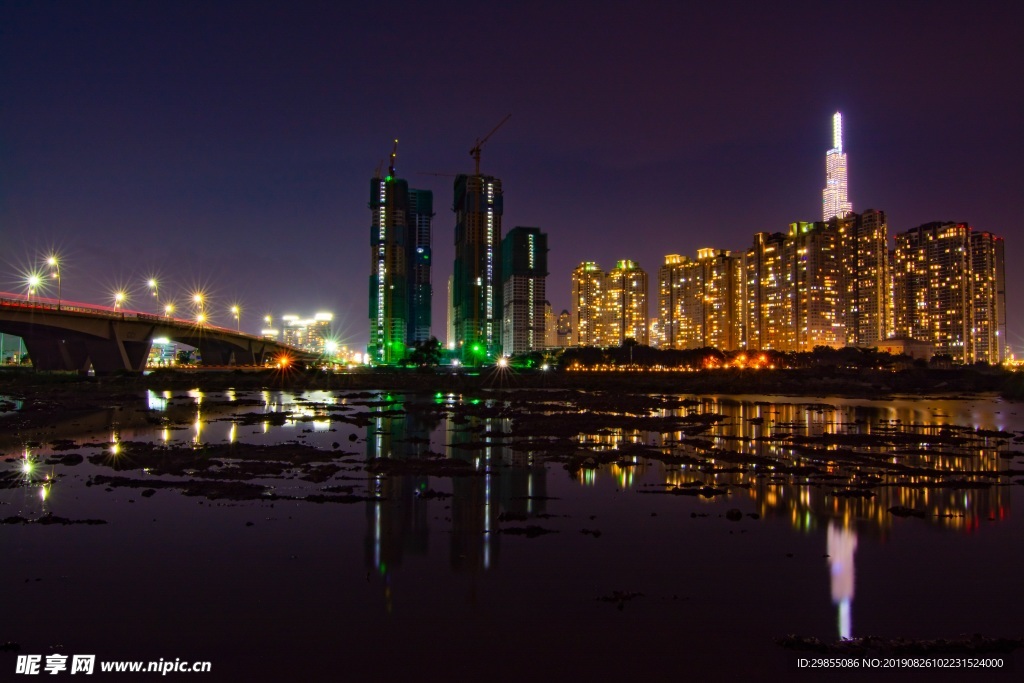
(437, 577)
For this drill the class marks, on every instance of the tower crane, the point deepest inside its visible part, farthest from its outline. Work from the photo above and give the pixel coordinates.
(475, 152)
(391, 164)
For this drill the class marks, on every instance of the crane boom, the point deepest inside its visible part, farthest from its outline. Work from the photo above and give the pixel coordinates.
(391, 165)
(475, 152)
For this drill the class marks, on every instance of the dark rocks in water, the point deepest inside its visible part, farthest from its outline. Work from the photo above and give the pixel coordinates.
(352, 437)
(620, 598)
(733, 514)
(344, 499)
(703, 491)
(753, 515)
(48, 519)
(70, 460)
(148, 493)
(438, 467)
(431, 494)
(530, 531)
(852, 493)
(513, 517)
(902, 511)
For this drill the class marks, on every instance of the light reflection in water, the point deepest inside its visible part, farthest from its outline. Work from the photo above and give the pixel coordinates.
(842, 543)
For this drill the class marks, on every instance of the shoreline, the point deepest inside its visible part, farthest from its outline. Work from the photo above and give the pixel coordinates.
(809, 382)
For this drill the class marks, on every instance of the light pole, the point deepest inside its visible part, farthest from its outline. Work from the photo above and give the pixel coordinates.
(198, 300)
(168, 309)
(155, 287)
(119, 297)
(33, 282)
(237, 312)
(54, 263)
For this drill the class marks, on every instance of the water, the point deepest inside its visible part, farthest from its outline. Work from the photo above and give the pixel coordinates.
(543, 555)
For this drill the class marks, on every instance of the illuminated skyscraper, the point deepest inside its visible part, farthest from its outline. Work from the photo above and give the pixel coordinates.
(768, 317)
(310, 334)
(625, 305)
(812, 259)
(699, 302)
(476, 278)
(834, 196)
(866, 277)
(988, 272)
(948, 289)
(524, 268)
(587, 304)
(400, 290)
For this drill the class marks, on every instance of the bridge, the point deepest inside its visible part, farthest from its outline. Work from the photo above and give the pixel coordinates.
(64, 335)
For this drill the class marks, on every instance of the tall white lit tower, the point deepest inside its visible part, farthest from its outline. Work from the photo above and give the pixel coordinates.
(834, 200)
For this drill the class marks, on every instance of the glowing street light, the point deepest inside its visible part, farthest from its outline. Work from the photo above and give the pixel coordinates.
(168, 310)
(201, 318)
(54, 263)
(154, 289)
(33, 282)
(119, 299)
(237, 312)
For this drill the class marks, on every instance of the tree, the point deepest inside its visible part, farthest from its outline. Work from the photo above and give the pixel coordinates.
(426, 354)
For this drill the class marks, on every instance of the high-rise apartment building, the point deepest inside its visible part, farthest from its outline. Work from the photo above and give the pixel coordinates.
(625, 305)
(563, 331)
(767, 294)
(812, 259)
(866, 277)
(834, 197)
(400, 289)
(310, 334)
(524, 270)
(699, 302)
(988, 298)
(948, 289)
(587, 304)
(476, 278)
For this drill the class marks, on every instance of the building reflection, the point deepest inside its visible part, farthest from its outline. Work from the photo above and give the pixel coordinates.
(813, 462)
(500, 485)
(842, 544)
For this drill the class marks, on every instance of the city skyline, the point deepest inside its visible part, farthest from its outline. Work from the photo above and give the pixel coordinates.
(162, 142)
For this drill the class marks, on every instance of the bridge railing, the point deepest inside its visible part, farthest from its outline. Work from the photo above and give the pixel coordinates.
(17, 301)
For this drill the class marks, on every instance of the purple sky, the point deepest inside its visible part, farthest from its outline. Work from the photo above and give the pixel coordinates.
(231, 144)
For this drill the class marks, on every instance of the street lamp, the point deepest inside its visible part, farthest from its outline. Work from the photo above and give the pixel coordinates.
(236, 311)
(168, 309)
(33, 283)
(154, 286)
(54, 263)
(119, 298)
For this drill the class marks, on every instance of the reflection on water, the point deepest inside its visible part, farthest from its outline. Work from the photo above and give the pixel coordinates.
(802, 467)
(842, 543)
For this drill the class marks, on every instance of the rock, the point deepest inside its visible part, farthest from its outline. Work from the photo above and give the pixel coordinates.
(733, 515)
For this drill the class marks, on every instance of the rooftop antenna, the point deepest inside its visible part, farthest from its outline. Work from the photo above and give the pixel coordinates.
(475, 152)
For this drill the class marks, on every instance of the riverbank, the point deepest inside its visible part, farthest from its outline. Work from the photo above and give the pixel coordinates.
(791, 382)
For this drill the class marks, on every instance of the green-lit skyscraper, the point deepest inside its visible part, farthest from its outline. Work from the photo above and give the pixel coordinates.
(476, 278)
(400, 290)
(524, 270)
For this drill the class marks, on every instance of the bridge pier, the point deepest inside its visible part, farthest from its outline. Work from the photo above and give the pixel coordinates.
(51, 353)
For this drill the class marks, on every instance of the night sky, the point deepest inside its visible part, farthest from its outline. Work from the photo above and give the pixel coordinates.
(230, 145)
